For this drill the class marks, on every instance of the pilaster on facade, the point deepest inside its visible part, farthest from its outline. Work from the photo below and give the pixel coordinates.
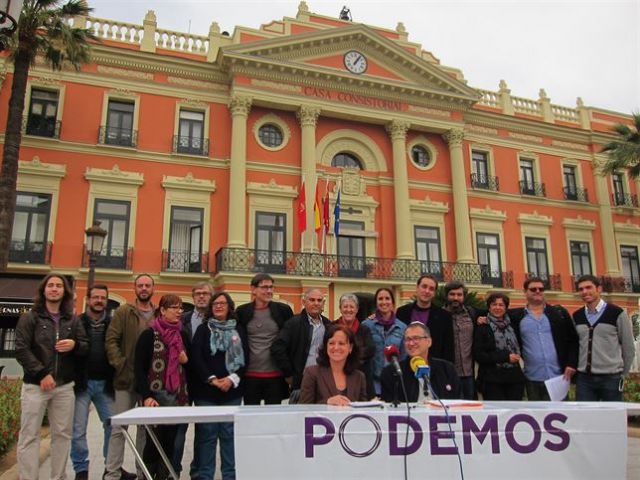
(308, 118)
(397, 130)
(454, 139)
(240, 106)
(606, 220)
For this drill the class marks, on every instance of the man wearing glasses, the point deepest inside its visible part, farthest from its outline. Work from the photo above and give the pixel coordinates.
(201, 293)
(263, 319)
(548, 339)
(442, 373)
(129, 320)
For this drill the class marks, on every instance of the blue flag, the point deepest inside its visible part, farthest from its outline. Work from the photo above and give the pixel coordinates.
(336, 216)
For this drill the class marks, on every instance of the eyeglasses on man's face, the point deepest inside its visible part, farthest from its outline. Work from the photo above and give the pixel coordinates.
(414, 339)
(536, 289)
(266, 287)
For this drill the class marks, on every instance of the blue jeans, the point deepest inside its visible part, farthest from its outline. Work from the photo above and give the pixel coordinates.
(207, 435)
(598, 388)
(95, 393)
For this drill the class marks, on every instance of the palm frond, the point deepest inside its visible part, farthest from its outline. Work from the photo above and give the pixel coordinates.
(624, 151)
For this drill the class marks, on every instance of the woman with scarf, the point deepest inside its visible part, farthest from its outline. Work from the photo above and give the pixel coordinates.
(497, 352)
(349, 306)
(386, 330)
(218, 359)
(160, 376)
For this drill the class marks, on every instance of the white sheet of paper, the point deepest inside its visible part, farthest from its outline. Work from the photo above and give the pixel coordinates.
(558, 388)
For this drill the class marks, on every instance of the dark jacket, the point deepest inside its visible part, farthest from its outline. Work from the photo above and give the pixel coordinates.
(488, 357)
(280, 312)
(367, 348)
(441, 327)
(204, 365)
(36, 336)
(444, 381)
(291, 348)
(318, 385)
(82, 366)
(563, 332)
(188, 335)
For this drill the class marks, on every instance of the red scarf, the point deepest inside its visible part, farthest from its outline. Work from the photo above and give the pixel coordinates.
(355, 325)
(169, 334)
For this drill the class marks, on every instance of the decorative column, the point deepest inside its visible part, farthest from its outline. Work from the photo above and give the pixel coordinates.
(150, 24)
(308, 117)
(606, 222)
(460, 202)
(240, 106)
(398, 133)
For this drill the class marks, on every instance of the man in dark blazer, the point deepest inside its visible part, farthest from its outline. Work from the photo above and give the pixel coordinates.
(547, 337)
(437, 319)
(297, 344)
(263, 319)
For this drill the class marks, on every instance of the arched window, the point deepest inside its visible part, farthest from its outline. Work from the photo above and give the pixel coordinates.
(346, 160)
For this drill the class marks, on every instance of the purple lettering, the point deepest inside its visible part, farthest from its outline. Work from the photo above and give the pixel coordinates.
(470, 428)
(562, 435)
(311, 440)
(511, 439)
(413, 425)
(435, 436)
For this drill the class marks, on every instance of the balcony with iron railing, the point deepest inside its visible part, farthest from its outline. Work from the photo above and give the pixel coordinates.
(122, 137)
(550, 281)
(190, 145)
(117, 258)
(485, 182)
(618, 284)
(532, 188)
(184, 261)
(576, 194)
(624, 200)
(38, 253)
(347, 266)
(41, 127)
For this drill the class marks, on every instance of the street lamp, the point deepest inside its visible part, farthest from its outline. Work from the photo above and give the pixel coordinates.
(95, 240)
(9, 15)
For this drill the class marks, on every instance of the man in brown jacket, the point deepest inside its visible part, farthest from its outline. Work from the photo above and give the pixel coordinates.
(129, 320)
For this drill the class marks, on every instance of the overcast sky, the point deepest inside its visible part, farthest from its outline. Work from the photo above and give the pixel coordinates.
(571, 48)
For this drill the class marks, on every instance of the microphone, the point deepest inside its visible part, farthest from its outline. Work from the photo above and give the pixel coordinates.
(391, 353)
(420, 368)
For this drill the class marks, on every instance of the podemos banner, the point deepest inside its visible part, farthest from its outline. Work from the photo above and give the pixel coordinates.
(552, 443)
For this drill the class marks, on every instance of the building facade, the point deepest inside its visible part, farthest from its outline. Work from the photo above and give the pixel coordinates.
(192, 150)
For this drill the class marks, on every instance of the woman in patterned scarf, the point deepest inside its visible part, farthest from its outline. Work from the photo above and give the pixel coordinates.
(218, 359)
(496, 349)
(160, 376)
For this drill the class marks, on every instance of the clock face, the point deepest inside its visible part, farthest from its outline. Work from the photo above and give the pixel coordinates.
(355, 62)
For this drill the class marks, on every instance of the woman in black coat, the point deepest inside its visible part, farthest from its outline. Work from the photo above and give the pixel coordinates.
(496, 349)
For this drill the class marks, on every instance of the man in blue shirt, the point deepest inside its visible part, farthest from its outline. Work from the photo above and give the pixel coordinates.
(547, 337)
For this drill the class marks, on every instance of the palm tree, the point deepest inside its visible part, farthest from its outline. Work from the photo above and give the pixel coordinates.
(43, 30)
(624, 152)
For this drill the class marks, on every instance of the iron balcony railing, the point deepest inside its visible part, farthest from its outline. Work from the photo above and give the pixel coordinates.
(550, 281)
(532, 188)
(486, 182)
(123, 137)
(190, 145)
(33, 252)
(41, 127)
(349, 266)
(185, 261)
(118, 258)
(624, 200)
(576, 194)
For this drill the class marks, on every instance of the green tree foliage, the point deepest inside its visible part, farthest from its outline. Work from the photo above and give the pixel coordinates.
(470, 299)
(624, 151)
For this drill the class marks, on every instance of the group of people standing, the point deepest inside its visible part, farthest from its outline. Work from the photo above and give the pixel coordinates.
(159, 355)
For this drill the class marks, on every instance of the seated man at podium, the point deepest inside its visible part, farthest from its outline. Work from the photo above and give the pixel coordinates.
(442, 374)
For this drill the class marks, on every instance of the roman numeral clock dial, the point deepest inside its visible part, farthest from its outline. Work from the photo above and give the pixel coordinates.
(355, 62)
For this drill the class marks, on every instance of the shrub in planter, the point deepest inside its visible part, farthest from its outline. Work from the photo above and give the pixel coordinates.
(9, 413)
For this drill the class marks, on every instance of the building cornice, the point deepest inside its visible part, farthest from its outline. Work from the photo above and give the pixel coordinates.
(188, 182)
(36, 167)
(115, 175)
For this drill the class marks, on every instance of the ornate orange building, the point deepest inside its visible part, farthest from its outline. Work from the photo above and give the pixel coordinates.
(191, 151)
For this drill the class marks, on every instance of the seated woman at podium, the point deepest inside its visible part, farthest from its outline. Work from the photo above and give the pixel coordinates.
(160, 376)
(496, 349)
(335, 380)
(218, 358)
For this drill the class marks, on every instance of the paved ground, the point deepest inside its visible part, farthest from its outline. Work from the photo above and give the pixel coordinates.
(97, 464)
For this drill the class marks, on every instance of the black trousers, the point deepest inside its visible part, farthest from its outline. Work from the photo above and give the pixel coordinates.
(503, 391)
(166, 435)
(271, 390)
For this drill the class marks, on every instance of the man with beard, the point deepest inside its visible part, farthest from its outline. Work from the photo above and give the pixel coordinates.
(463, 321)
(435, 318)
(129, 320)
(93, 382)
